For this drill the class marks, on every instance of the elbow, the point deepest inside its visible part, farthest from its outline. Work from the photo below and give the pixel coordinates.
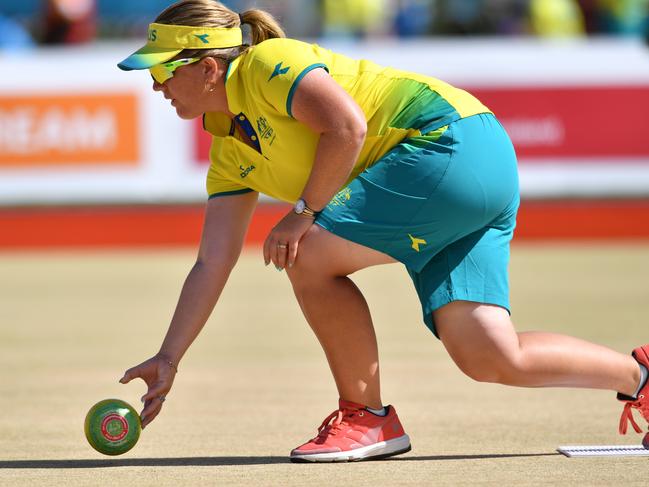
(354, 131)
(358, 129)
(360, 132)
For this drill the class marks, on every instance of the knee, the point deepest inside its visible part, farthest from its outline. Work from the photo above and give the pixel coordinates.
(481, 371)
(496, 368)
(482, 342)
(308, 266)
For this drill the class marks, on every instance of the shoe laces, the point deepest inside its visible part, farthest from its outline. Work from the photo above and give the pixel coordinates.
(339, 416)
(627, 414)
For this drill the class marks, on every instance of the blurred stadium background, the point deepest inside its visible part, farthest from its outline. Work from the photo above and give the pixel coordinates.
(90, 156)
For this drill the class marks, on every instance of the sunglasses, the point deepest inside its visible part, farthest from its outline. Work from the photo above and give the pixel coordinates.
(165, 71)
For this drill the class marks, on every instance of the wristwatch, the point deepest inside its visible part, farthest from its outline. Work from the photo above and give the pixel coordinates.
(301, 208)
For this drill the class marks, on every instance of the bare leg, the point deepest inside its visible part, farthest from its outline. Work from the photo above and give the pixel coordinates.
(337, 311)
(483, 343)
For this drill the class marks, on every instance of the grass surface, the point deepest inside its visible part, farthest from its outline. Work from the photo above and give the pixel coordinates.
(255, 384)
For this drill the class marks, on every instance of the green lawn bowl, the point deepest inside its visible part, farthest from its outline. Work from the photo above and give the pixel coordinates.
(112, 427)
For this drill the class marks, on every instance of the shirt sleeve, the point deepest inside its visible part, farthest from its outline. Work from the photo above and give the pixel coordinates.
(278, 66)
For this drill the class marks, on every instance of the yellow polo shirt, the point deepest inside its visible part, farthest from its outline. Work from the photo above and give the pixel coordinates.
(260, 85)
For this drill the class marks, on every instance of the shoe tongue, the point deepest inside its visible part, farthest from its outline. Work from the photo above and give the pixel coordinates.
(342, 404)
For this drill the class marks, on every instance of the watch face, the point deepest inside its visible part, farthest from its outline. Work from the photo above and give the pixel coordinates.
(299, 206)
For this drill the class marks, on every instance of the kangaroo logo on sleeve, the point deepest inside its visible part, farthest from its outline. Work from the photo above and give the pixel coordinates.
(279, 70)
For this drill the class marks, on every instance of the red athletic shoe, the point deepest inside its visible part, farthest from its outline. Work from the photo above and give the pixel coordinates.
(354, 434)
(641, 354)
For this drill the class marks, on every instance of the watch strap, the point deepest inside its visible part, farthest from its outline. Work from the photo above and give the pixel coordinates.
(307, 211)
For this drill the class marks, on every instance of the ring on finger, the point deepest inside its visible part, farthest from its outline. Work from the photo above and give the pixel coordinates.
(282, 246)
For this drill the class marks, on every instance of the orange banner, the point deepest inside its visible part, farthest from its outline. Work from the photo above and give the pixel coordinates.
(63, 130)
(180, 225)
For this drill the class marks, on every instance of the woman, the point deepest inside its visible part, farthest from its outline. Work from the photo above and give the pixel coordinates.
(382, 166)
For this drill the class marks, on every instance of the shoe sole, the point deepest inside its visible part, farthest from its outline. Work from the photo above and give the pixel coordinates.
(376, 451)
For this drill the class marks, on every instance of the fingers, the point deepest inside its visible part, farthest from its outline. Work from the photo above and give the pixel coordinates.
(129, 375)
(153, 400)
(275, 251)
(159, 376)
(267, 247)
(281, 245)
(291, 254)
(158, 389)
(151, 409)
(282, 251)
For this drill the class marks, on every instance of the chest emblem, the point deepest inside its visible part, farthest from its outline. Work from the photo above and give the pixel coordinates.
(265, 131)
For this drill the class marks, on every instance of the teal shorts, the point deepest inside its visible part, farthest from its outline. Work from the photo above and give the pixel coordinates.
(444, 204)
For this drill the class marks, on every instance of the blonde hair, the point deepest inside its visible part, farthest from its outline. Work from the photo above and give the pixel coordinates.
(209, 13)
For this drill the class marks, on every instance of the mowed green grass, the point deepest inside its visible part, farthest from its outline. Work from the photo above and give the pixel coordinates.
(255, 384)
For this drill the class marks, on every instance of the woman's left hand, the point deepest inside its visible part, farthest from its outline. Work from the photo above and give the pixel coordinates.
(282, 242)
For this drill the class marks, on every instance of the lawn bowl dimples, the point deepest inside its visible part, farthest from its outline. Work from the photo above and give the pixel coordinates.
(112, 427)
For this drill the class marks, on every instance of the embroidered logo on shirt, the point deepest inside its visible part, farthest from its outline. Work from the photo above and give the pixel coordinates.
(265, 131)
(279, 70)
(202, 37)
(416, 242)
(246, 170)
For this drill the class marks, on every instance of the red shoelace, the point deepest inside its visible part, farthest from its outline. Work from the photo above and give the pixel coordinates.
(627, 414)
(339, 416)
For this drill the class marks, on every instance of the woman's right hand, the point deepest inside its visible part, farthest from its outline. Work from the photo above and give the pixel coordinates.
(158, 372)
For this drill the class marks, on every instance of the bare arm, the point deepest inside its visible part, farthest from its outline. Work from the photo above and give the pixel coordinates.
(327, 109)
(323, 105)
(226, 221)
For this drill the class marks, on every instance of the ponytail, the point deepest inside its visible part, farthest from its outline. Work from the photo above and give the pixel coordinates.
(263, 25)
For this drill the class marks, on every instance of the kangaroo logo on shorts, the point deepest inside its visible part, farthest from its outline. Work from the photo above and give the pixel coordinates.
(416, 242)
